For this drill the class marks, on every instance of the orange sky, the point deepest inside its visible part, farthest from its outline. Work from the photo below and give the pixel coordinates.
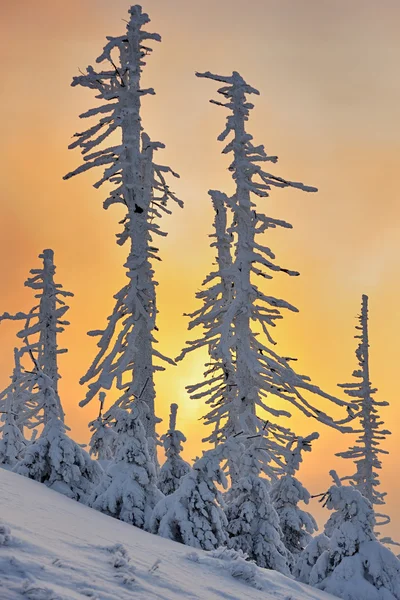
(329, 107)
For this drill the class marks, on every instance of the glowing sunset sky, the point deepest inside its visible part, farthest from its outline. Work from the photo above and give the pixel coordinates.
(329, 108)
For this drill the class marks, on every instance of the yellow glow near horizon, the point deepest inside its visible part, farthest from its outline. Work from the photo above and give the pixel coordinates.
(329, 107)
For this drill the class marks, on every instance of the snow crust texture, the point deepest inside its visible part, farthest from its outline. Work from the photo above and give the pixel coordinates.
(52, 548)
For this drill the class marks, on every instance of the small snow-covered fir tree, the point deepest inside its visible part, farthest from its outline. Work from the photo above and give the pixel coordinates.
(103, 435)
(367, 450)
(29, 392)
(307, 559)
(22, 398)
(336, 518)
(128, 491)
(12, 442)
(297, 525)
(193, 514)
(55, 459)
(174, 467)
(355, 566)
(44, 321)
(245, 374)
(127, 344)
(253, 523)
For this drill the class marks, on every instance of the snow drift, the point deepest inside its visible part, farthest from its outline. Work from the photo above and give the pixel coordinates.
(53, 548)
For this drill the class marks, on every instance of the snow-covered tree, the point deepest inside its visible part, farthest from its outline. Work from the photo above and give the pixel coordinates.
(216, 296)
(103, 435)
(193, 514)
(174, 467)
(21, 390)
(44, 321)
(55, 459)
(12, 442)
(355, 566)
(245, 374)
(367, 449)
(128, 491)
(253, 523)
(297, 525)
(127, 344)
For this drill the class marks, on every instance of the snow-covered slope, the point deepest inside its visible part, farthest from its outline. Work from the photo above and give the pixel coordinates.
(61, 550)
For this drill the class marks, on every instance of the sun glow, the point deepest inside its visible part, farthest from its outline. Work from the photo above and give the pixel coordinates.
(327, 108)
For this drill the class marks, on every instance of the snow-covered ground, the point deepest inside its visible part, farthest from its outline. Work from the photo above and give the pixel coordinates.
(62, 550)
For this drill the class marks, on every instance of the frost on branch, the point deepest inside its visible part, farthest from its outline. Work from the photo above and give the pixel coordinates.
(253, 523)
(194, 515)
(128, 491)
(174, 467)
(367, 449)
(355, 565)
(245, 375)
(135, 181)
(55, 459)
(297, 525)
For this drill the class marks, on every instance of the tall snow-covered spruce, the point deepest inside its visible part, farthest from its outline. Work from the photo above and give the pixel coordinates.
(244, 373)
(367, 450)
(174, 467)
(127, 344)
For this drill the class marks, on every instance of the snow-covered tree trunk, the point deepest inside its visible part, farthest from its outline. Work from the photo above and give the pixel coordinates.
(248, 393)
(225, 416)
(127, 352)
(48, 311)
(141, 274)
